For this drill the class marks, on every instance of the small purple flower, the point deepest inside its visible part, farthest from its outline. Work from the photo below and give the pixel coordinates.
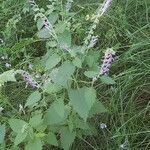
(107, 61)
(103, 126)
(106, 4)
(29, 80)
(7, 65)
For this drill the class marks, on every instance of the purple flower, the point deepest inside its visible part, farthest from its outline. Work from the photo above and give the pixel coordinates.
(107, 61)
(106, 4)
(29, 80)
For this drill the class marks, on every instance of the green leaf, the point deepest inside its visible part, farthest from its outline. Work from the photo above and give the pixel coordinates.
(20, 137)
(33, 99)
(35, 144)
(67, 138)
(52, 61)
(53, 17)
(82, 100)
(17, 125)
(64, 39)
(60, 27)
(40, 23)
(107, 80)
(51, 139)
(97, 108)
(2, 133)
(90, 74)
(81, 124)
(44, 33)
(36, 120)
(56, 112)
(77, 62)
(51, 87)
(64, 73)
(7, 76)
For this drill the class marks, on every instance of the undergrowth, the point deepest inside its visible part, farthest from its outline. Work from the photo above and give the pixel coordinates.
(75, 75)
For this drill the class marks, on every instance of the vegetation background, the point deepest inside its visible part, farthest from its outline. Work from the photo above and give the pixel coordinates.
(125, 28)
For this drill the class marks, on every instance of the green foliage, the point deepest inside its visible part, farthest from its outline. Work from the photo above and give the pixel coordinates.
(64, 73)
(107, 80)
(82, 100)
(50, 42)
(56, 113)
(2, 133)
(33, 99)
(34, 144)
(67, 138)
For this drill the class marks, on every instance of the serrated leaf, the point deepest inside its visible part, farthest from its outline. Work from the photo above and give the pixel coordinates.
(64, 73)
(67, 138)
(2, 133)
(35, 144)
(97, 108)
(36, 120)
(44, 33)
(33, 99)
(52, 61)
(56, 113)
(7, 76)
(107, 80)
(60, 27)
(20, 137)
(82, 100)
(77, 62)
(51, 139)
(17, 125)
(64, 39)
(53, 17)
(81, 124)
(51, 87)
(90, 74)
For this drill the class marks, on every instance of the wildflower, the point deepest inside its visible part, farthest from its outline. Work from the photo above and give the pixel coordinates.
(103, 126)
(1, 109)
(7, 65)
(125, 144)
(106, 4)
(68, 5)
(29, 80)
(93, 41)
(101, 10)
(21, 109)
(107, 62)
(30, 66)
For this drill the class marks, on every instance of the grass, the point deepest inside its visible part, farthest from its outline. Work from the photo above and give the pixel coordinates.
(126, 28)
